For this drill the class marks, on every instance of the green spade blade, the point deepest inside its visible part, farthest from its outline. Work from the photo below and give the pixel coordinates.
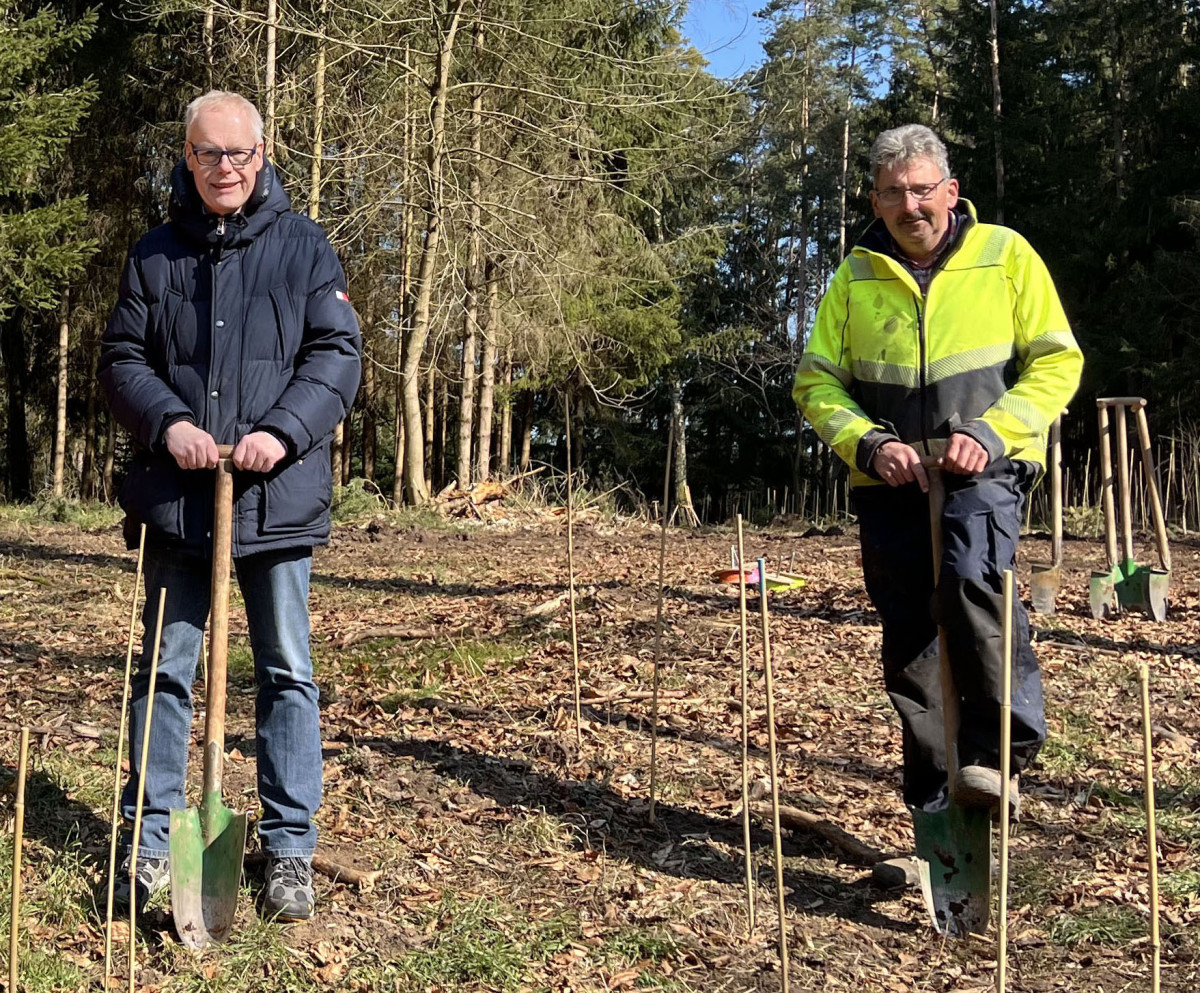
(956, 842)
(206, 847)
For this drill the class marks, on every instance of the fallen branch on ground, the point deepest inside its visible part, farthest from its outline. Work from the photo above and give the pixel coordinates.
(801, 820)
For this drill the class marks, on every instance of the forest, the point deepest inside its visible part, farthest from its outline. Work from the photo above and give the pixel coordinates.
(555, 208)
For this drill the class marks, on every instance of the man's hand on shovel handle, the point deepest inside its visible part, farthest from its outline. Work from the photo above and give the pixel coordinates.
(258, 452)
(898, 464)
(964, 455)
(190, 446)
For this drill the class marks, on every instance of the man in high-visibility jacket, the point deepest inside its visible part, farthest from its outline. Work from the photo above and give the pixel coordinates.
(941, 336)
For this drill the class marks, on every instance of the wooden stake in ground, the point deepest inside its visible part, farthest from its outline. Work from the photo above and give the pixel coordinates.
(571, 575)
(741, 557)
(658, 623)
(116, 804)
(767, 668)
(141, 793)
(14, 915)
(1005, 785)
(1151, 836)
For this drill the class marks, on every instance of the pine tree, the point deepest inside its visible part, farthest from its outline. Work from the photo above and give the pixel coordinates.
(43, 240)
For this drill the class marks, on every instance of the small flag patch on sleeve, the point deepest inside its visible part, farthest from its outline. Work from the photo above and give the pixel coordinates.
(341, 296)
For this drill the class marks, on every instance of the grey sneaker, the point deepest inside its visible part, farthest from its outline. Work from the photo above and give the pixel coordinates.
(289, 890)
(152, 877)
(979, 786)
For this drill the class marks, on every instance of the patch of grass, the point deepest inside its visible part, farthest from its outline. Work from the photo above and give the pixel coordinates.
(254, 960)
(486, 942)
(1181, 886)
(87, 516)
(1102, 925)
(538, 832)
(357, 501)
(629, 946)
(401, 665)
(240, 663)
(1032, 883)
(1071, 750)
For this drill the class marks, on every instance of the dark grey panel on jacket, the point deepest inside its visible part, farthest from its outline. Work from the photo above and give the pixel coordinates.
(240, 328)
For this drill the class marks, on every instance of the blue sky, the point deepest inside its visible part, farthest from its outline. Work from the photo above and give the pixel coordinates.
(727, 33)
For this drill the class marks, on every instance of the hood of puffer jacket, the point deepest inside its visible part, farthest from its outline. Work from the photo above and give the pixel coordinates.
(186, 209)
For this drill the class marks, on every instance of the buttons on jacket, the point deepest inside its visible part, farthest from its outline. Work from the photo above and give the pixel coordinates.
(215, 393)
(220, 324)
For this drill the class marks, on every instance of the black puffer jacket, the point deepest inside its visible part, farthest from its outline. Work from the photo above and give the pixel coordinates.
(238, 324)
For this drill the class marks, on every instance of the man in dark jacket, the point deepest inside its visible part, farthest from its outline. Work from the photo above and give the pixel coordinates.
(233, 326)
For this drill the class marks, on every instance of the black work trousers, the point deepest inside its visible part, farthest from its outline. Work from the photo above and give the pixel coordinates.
(980, 528)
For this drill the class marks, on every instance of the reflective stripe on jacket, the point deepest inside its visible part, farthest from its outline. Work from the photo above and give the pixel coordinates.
(987, 352)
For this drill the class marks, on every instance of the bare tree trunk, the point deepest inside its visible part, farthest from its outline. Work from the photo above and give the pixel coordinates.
(369, 432)
(683, 492)
(466, 405)
(995, 45)
(466, 396)
(842, 180)
(210, 19)
(526, 428)
(406, 225)
(87, 484)
(347, 450)
(430, 411)
(314, 183)
(110, 451)
(60, 419)
(505, 460)
(269, 80)
(443, 432)
(487, 379)
(415, 487)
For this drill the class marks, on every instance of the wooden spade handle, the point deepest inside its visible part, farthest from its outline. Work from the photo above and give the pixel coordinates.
(1134, 403)
(950, 708)
(1106, 486)
(1123, 490)
(1055, 468)
(1160, 526)
(214, 717)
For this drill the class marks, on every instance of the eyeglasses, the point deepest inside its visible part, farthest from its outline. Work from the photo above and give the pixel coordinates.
(213, 156)
(893, 196)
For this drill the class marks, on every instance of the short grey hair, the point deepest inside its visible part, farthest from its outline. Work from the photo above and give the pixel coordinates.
(223, 98)
(905, 143)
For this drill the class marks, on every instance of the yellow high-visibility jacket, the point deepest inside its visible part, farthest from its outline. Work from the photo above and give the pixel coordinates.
(987, 351)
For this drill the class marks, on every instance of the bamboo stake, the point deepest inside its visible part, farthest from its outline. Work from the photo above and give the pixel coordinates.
(1005, 784)
(141, 793)
(745, 735)
(116, 804)
(1151, 837)
(571, 576)
(14, 931)
(662, 558)
(766, 634)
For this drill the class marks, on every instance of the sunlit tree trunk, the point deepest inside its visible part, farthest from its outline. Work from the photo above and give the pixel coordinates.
(269, 79)
(60, 420)
(416, 488)
(406, 226)
(210, 17)
(87, 482)
(369, 432)
(487, 379)
(683, 492)
(505, 454)
(110, 451)
(527, 399)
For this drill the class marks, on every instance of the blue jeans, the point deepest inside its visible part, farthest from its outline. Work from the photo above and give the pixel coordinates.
(980, 527)
(275, 588)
